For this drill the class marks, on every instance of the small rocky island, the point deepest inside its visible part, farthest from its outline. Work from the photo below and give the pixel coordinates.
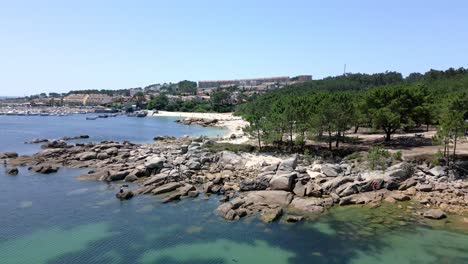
(272, 186)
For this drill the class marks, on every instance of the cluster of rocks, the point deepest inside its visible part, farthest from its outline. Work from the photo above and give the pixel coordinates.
(198, 121)
(289, 189)
(66, 138)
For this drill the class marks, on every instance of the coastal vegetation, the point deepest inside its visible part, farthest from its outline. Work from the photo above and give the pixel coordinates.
(325, 110)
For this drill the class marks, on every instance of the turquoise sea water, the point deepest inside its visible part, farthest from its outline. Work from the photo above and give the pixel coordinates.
(57, 219)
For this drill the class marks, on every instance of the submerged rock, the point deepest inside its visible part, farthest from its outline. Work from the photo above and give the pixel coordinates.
(12, 171)
(294, 218)
(434, 214)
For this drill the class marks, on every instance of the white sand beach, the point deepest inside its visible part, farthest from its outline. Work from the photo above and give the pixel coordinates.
(233, 124)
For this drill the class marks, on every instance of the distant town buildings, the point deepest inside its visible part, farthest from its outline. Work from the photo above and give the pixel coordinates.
(87, 99)
(258, 84)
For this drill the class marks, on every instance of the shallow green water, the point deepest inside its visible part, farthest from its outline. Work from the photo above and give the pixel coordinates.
(56, 219)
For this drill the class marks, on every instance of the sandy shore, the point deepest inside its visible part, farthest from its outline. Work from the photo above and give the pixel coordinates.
(232, 124)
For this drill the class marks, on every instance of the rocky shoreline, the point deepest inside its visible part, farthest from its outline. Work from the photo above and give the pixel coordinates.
(288, 187)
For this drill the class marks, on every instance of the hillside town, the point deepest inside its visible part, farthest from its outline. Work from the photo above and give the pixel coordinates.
(234, 91)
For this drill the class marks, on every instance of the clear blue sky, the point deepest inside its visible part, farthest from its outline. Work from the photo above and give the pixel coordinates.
(59, 46)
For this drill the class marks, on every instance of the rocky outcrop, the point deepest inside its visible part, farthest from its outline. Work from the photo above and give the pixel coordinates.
(12, 171)
(55, 144)
(198, 121)
(124, 195)
(8, 155)
(44, 168)
(163, 138)
(183, 168)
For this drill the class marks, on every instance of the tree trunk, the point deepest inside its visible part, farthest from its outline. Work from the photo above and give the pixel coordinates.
(455, 144)
(338, 134)
(447, 158)
(388, 135)
(427, 127)
(329, 140)
(291, 137)
(356, 128)
(259, 140)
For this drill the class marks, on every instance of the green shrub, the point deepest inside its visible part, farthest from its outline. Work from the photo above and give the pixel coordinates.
(299, 141)
(397, 155)
(438, 157)
(354, 156)
(378, 157)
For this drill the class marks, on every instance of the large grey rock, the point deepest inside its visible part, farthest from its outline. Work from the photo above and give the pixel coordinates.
(130, 178)
(230, 215)
(158, 179)
(400, 171)
(269, 215)
(194, 165)
(424, 187)
(310, 205)
(313, 189)
(347, 189)
(332, 184)
(186, 189)
(155, 163)
(408, 183)
(329, 170)
(434, 214)
(230, 158)
(440, 187)
(288, 164)
(437, 171)
(168, 187)
(270, 168)
(102, 156)
(362, 198)
(117, 175)
(259, 183)
(283, 181)
(87, 156)
(281, 198)
(112, 151)
(300, 189)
